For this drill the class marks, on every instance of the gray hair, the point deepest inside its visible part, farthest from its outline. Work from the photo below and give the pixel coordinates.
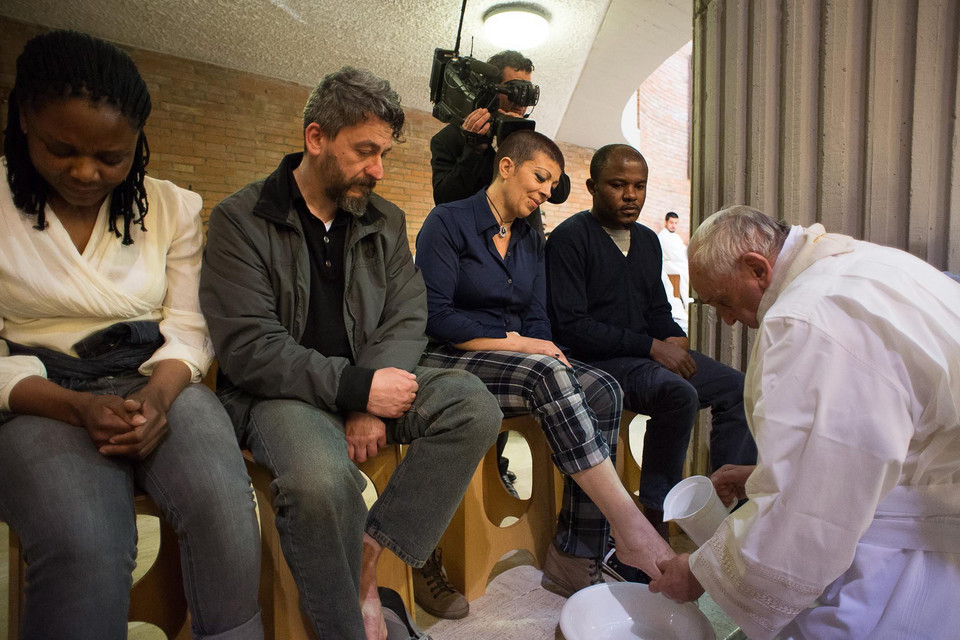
(718, 244)
(349, 96)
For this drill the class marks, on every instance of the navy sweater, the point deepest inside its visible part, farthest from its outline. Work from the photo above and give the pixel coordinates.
(601, 303)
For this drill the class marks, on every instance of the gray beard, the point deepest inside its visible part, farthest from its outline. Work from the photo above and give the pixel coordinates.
(338, 185)
(354, 206)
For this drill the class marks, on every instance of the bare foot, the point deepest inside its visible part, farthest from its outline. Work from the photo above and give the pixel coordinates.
(373, 625)
(678, 582)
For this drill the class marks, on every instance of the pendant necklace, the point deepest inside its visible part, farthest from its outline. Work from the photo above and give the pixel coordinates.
(503, 228)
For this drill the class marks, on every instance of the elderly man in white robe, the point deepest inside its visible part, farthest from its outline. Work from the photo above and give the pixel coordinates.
(852, 529)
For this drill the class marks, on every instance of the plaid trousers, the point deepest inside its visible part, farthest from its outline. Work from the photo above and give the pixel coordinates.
(579, 411)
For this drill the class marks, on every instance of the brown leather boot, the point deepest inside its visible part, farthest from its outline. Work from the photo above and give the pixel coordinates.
(564, 574)
(435, 594)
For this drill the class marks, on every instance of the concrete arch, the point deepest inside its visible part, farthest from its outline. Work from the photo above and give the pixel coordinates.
(635, 37)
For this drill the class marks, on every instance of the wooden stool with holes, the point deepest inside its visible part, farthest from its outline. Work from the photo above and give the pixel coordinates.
(474, 541)
(627, 468)
(157, 597)
(279, 598)
(675, 281)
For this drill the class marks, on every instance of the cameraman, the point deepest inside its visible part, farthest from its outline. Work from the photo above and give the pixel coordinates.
(462, 156)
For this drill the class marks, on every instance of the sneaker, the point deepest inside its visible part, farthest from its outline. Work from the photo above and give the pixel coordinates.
(564, 574)
(435, 594)
(620, 571)
(508, 479)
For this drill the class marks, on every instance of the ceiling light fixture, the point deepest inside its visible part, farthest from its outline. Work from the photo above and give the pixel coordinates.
(516, 25)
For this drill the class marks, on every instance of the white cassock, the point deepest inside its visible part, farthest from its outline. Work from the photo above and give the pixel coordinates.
(853, 397)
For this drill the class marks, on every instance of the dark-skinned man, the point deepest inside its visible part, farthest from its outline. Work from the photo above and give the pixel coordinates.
(607, 305)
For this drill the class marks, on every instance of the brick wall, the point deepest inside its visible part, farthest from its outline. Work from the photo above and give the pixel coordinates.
(214, 130)
(663, 136)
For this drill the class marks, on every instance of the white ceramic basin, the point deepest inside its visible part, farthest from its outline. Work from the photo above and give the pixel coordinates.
(627, 611)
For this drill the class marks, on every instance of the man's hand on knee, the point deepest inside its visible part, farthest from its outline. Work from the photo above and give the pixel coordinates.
(366, 433)
(392, 392)
(673, 356)
(680, 341)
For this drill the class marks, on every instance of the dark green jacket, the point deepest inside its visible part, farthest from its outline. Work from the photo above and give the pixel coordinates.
(254, 290)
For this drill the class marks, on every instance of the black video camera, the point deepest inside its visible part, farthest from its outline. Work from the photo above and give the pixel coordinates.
(460, 85)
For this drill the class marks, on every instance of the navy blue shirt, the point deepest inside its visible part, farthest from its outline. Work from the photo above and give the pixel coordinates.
(471, 291)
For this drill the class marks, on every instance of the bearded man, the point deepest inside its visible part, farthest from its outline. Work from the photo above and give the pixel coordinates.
(317, 315)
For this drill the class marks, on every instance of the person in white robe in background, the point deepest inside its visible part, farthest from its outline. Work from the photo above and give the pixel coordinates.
(852, 529)
(674, 254)
(675, 264)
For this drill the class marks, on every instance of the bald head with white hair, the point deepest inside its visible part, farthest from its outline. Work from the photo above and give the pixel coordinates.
(731, 261)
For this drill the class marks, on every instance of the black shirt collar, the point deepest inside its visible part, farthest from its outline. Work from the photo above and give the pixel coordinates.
(298, 202)
(276, 196)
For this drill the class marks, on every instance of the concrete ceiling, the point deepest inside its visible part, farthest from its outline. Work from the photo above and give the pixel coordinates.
(598, 52)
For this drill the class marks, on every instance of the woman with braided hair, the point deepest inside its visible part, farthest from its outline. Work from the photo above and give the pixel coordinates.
(102, 348)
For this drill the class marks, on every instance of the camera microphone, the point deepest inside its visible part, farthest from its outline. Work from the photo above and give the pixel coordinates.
(484, 69)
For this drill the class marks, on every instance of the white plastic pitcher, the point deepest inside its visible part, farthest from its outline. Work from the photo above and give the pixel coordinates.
(695, 506)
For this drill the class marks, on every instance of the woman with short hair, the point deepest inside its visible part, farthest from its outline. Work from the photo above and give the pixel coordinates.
(484, 270)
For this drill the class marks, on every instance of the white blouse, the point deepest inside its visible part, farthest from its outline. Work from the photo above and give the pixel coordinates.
(53, 296)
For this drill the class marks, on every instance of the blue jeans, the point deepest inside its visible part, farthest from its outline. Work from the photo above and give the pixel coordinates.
(672, 403)
(321, 515)
(73, 510)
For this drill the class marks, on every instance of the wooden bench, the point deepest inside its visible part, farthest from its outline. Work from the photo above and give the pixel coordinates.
(474, 541)
(627, 468)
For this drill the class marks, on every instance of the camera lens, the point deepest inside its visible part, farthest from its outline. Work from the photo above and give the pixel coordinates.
(521, 92)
